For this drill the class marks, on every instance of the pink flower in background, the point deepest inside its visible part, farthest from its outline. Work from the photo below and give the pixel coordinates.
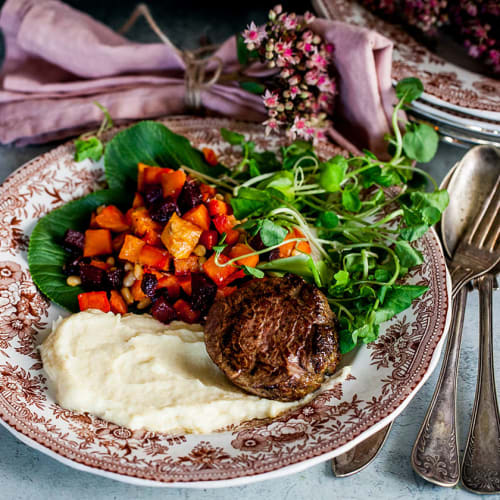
(272, 125)
(290, 22)
(270, 99)
(294, 91)
(309, 17)
(253, 35)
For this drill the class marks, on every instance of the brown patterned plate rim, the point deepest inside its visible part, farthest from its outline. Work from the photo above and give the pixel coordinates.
(222, 470)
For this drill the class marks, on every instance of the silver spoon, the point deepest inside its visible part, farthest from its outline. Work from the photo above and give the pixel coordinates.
(435, 453)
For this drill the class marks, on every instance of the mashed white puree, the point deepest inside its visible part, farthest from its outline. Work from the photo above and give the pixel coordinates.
(139, 373)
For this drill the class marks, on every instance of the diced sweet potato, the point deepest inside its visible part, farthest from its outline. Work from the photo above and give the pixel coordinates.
(152, 238)
(172, 183)
(112, 218)
(138, 200)
(117, 303)
(198, 216)
(131, 248)
(287, 249)
(186, 266)
(97, 242)
(207, 191)
(94, 300)
(217, 273)
(137, 292)
(180, 237)
(233, 277)
(185, 312)
(154, 257)
(141, 222)
(239, 250)
(117, 242)
(100, 264)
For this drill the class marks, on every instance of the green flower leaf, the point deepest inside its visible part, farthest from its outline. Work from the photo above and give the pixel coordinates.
(409, 89)
(351, 201)
(420, 142)
(333, 173)
(272, 234)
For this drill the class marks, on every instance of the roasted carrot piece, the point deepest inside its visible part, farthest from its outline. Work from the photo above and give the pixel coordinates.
(117, 242)
(209, 238)
(302, 246)
(100, 264)
(210, 156)
(112, 218)
(232, 277)
(94, 300)
(241, 249)
(225, 224)
(152, 238)
(93, 224)
(216, 273)
(171, 283)
(199, 217)
(172, 183)
(138, 200)
(131, 248)
(186, 266)
(97, 242)
(154, 257)
(180, 237)
(117, 303)
(287, 249)
(185, 312)
(218, 207)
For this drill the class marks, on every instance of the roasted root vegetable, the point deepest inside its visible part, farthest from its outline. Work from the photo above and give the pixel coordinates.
(172, 183)
(117, 304)
(240, 250)
(199, 216)
(94, 300)
(112, 218)
(218, 274)
(97, 242)
(131, 248)
(180, 237)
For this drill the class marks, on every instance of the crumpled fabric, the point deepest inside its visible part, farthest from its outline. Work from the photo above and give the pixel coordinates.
(60, 60)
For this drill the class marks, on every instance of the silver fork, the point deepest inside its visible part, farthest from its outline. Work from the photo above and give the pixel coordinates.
(435, 453)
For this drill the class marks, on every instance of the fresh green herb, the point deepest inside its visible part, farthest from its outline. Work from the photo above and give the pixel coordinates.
(89, 145)
(363, 232)
(253, 271)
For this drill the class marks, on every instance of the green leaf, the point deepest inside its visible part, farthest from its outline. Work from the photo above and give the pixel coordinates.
(251, 202)
(244, 55)
(333, 173)
(282, 181)
(346, 342)
(46, 256)
(253, 169)
(266, 161)
(328, 219)
(252, 271)
(408, 256)
(219, 248)
(351, 201)
(413, 233)
(272, 234)
(253, 87)
(420, 142)
(409, 89)
(430, 205)
(90, 148)
(232, 137)
(299, 152)
(341, 278)
(154, 144)
(397, 299)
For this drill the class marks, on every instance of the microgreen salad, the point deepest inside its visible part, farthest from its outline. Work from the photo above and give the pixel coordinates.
(345, 224)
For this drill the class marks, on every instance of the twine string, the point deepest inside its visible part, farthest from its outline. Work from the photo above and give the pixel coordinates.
(195, 60)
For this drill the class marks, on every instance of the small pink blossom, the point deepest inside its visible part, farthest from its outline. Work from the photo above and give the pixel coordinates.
(308, 17)
(294, 91)
(290, 22)
(272, 125)
(311, 77)
(270, 99)
(253, 35)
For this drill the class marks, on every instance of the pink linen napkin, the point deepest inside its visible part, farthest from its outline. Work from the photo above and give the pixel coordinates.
(59, 61)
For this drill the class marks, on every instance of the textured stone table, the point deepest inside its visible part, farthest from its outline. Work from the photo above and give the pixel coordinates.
(28, 474)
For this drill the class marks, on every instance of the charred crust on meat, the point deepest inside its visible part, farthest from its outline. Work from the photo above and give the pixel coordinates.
(274, 337)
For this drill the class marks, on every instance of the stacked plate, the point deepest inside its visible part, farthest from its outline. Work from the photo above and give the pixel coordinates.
(464, 106)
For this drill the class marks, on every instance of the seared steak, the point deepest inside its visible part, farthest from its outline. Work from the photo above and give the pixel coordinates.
(274, 337)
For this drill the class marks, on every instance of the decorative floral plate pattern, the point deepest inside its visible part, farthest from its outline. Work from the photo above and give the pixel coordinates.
(445, 84)
(384, 375)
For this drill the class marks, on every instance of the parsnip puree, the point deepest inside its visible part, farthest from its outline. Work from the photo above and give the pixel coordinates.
(139, 373)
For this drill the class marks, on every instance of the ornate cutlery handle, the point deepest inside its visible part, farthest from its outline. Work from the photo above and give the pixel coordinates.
(435, 452)
(481, 465)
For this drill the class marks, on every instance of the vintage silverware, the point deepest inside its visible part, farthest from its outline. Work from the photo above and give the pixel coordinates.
(481, 461)
(362, 455)
(472, 239)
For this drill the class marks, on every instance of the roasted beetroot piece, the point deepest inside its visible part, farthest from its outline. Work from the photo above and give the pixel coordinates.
(256, 243)
(92, 277)
(72, 266)
(190, 196)
(74, 241)
(162, 210)
(114, 278)
(274, 254)
(163, 311)
(152, 194)
(149, 284)
(203, 291)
